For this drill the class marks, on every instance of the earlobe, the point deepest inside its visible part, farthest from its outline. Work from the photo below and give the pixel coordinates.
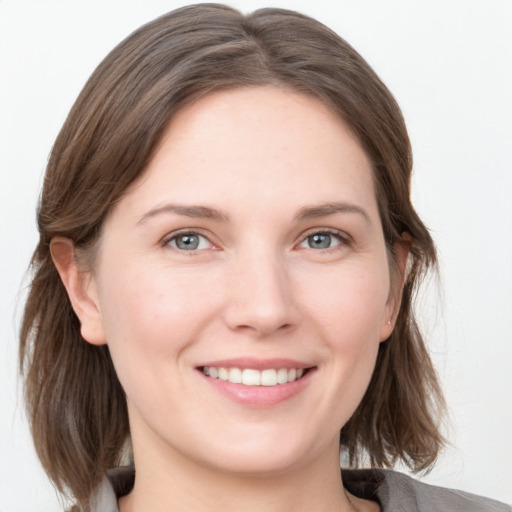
(81, 290)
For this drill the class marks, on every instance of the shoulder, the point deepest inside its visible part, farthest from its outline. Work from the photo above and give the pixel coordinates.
(397, 492)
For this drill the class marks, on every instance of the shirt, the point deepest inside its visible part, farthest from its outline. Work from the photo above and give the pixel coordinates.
(395, 492)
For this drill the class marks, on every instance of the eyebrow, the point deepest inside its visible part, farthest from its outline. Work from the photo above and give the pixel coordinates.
(206, 212)
(323, 210)
(193, 211)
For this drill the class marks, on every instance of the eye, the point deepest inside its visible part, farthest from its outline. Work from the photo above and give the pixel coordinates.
(322, 240)
(189, 242)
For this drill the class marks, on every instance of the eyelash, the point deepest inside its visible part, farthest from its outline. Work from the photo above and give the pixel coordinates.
(173, 236)
(340, 236)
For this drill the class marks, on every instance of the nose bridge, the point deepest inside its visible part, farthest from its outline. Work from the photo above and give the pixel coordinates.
(260, 298)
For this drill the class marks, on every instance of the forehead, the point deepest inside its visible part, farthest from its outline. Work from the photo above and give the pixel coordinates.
(256, 144)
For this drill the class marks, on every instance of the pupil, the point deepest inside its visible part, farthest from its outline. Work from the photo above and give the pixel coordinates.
(187, 242)
(319, 241)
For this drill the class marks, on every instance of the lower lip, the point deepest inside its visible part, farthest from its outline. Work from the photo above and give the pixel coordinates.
(260, 397)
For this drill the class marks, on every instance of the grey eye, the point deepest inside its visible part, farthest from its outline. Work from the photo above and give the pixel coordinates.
(189, 242)
(321, 241)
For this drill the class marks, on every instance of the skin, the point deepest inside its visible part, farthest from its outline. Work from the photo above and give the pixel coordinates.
(254, 287)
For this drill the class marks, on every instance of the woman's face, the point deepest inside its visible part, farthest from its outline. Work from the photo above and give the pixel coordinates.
(251, 250)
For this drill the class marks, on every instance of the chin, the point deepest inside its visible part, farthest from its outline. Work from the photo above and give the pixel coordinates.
(258, 464)
(258, 453)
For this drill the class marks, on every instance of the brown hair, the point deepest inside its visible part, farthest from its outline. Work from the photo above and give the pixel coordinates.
(76, 405)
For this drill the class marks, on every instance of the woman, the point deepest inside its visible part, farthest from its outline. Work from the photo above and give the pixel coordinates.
(224, 277)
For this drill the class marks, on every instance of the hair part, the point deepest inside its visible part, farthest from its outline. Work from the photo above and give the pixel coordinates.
(76, 405)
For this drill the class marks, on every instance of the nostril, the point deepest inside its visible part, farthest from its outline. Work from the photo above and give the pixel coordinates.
(263, 327)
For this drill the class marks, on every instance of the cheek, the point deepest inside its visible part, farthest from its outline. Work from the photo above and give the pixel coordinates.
(353, 319)
(151, 315)
(350, 304)
(151, 319)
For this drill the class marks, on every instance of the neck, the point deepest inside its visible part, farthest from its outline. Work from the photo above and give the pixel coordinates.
(175, 483)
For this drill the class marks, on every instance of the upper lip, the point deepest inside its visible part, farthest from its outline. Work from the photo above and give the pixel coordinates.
(256, 363)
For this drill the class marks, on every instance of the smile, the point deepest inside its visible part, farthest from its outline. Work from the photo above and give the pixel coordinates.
(253, 377)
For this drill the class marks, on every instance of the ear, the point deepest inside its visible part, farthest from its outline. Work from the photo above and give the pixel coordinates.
(401, 252)
(81, 290)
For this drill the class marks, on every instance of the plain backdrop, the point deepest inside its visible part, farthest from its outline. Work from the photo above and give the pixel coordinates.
(449, 64)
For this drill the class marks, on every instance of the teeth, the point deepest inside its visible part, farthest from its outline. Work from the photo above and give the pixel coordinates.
(235, 375)
(251, 377)
(282, 376)
(268, 378)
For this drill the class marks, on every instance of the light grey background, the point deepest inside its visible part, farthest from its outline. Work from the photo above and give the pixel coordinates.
(448, 62)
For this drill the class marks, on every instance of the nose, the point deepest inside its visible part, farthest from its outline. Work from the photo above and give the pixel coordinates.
(260, 296)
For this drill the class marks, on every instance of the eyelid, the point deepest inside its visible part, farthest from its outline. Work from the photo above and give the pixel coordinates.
(342, 236)
(165, 242)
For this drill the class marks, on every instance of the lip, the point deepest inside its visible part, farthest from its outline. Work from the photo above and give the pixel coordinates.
(257, 364)
(258, 397)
